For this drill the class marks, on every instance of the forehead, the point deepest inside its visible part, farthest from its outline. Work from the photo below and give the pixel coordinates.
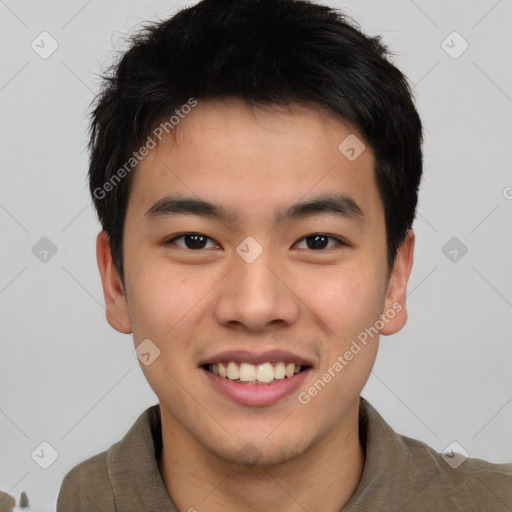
(248, 158)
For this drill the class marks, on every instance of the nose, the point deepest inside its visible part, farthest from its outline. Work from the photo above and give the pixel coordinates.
(256, 295)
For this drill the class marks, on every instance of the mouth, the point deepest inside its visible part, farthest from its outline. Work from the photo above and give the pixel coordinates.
(263, 374)
(266, 380)
(256, 378)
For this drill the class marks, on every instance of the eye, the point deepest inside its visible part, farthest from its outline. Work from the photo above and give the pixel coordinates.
(318, 241)
(193, 241)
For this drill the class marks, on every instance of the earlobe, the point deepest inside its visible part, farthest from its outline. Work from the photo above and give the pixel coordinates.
(116, 305)
(395, 310)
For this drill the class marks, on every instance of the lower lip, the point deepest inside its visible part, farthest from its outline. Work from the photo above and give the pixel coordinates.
(257, 394)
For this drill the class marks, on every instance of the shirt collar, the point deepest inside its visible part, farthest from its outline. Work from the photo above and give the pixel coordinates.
(132, 465)
(390, 476)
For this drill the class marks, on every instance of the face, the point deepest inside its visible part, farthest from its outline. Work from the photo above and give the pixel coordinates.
(280, 258)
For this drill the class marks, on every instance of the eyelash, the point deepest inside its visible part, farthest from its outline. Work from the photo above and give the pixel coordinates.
(338, 240)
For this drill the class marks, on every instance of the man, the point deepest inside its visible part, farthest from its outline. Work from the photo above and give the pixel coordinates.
(255, 166)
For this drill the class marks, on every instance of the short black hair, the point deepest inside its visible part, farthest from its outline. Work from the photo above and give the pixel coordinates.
(266, 52)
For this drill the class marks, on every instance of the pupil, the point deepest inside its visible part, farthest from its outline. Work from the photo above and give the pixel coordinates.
(317, 241)
(195, 241)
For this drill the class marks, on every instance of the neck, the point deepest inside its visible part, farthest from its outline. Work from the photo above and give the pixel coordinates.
(327, 473)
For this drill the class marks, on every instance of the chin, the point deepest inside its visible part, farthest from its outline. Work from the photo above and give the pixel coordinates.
(260, 454)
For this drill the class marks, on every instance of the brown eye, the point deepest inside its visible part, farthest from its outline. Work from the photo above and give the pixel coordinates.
(319, 241)
(193, 241)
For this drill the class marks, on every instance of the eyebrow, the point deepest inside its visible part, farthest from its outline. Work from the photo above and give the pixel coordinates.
(340, 205)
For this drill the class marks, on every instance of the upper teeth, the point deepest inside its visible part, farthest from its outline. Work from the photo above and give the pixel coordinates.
(251, 373)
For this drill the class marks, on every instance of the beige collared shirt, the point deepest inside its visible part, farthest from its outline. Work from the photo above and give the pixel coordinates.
(400, 475)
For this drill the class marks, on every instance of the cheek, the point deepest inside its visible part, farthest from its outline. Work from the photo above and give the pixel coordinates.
(345, 300)
(164, 307)
(159, 297)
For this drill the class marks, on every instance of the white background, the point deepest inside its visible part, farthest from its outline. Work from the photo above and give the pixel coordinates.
(67, 378)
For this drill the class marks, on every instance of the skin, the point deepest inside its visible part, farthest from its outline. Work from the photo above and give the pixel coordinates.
(195, 303)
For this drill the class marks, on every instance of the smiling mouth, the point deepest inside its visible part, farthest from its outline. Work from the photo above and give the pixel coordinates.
(247, 373)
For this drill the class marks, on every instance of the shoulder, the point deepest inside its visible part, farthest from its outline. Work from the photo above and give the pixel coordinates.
(108, 479)
(463, 483)
(408, 475)
(87, 487)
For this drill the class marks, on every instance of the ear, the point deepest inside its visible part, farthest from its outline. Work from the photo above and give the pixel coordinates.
(395, 310)
(116, 304)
